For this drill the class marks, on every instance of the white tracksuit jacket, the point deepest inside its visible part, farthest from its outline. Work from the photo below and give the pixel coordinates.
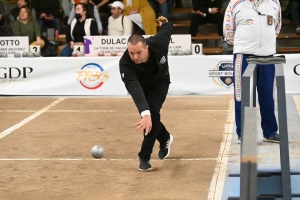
(250, 32)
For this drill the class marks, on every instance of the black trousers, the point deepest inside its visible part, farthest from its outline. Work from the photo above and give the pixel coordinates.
(210, 18)
(156, 97)
(295, 13)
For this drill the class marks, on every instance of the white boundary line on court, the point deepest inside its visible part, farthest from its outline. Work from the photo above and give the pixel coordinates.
(28, 119)
(218, 179)
(103, 159)
(100, 111)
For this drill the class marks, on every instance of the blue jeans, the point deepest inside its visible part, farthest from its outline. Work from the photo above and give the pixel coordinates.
(163, 8)
(67, 51)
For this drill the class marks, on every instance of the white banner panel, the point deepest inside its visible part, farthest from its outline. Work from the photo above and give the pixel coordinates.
(211, 75)
(10, 45)
(118, 44)
(194, 74)
(61, 76)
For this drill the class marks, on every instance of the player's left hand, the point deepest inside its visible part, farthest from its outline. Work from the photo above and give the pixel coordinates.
(145, 124)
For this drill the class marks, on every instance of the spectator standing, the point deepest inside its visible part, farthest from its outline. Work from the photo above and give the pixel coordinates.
(252, 27)
(67, 6)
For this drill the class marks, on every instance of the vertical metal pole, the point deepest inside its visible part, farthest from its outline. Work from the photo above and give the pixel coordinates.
(254, 87)
(249, 157)
(283, 133)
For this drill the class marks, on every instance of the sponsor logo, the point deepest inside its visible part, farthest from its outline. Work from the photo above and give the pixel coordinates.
(228, 18)
(249, 21)
(227, 27)
(222, 74)
(162, 60)
(92, 76)
(238, 77)
(297, 69)
(14, 74)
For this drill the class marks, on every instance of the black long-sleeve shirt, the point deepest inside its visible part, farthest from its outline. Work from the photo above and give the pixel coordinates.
(49, 7)
(136, 78)
(79, 32)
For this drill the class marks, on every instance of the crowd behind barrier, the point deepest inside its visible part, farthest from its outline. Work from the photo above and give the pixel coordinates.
(185, 15)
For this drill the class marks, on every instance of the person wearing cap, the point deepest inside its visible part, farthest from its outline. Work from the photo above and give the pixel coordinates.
(118, 24)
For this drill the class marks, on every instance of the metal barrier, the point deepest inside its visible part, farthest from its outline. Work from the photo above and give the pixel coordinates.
(253, 184)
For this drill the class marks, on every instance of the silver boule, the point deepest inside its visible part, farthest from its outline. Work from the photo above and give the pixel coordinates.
(30, 55)
(37, 54)
(187, 52)
(24, 54)
(97, 151)
(174, 52)
(74, 53)
(180, 53)
(17, 55)
(79, 54)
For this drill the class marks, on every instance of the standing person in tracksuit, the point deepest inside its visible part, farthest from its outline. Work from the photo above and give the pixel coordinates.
(252, 27)
(145, 72)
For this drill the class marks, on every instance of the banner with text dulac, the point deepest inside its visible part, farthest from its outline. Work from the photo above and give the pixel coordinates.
(117, 45)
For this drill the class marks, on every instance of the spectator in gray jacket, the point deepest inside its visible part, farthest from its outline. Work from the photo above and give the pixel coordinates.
(5, 28)
(67, 6)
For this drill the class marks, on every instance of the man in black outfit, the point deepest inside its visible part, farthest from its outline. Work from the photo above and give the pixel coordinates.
(145, 72)
(206, 11)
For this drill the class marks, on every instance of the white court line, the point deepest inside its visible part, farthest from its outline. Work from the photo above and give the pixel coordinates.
(28, 119)
(103, 159)
(218, 179)
(95, 111)
(297, 102)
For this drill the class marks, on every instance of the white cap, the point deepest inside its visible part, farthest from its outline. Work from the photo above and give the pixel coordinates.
(117, 4)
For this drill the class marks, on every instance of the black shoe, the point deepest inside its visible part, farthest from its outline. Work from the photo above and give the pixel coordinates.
(272, 139)
(145, 165)
(165, 148)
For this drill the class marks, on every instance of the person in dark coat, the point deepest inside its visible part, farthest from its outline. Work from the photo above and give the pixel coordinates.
(5, 26)
(145, 72)
(206, 11)
(47, 14)
(293, 13)
(16, 10)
